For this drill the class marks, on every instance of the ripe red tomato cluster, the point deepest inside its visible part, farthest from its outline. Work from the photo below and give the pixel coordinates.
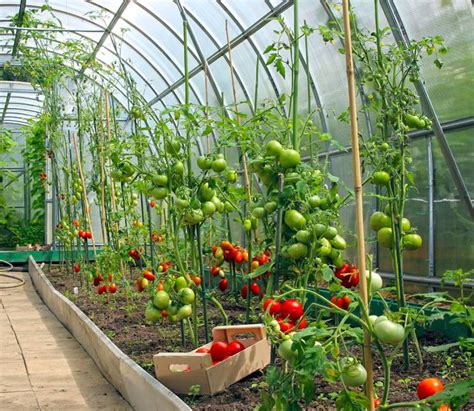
(75, 223)
(288, 313)
(85, 234)
(260, 260)
(101, 289)
(220, 350)
(135, 254)
(348, 274)
(342, 302)
(232, 253)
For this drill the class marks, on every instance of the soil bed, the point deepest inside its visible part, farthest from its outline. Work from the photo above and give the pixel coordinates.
(124, 323)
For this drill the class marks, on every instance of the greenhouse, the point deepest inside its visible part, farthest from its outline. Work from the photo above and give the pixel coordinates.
(236, 205)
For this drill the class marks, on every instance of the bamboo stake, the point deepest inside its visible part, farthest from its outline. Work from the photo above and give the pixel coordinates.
(84, 192)
(102, 174)
(369, 387)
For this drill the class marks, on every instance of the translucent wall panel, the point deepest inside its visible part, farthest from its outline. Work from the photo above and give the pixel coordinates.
(453, 20)
(460, 143)
(454, 229)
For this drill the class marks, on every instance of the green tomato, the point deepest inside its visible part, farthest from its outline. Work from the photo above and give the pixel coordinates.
(159, 193)
(178, 167)
(152, 314)
(324, 204)
(297, 251)
(228, 207)
(319, 229)
(353, 374)
(259, 212)
(184, 312)
(181, 203)
(172, 309)
(314, 201)
(339, 242)
(381, 178)
(194, 216)
(406, 225)
(376, 281)
(206, 193)
(186, 295)
(379, 220)
(218, 203)
(208, 208)
(180, 283)
(289, 158)
(247, 225)
(384, 237)
(204, 163)
(231, 176)
(161, 300)
(292, 178)
(219, 165)
(336, 258)
(270, 207)
(294, 220)
(324, 248)
(330, 233)
(285, 351)
(273, 148)
(304, 236)
(413, 121)
(389, 332)
(412, 241)
(160, 180)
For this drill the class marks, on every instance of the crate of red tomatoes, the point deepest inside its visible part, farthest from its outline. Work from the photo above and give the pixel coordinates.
(235, 352)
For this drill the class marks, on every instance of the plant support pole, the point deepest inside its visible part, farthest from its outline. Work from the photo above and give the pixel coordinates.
(358, 197)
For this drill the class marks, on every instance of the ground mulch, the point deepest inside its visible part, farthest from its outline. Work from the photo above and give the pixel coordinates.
(124, 323)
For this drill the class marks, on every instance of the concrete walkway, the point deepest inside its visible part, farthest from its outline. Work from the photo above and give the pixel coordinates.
(42, 366)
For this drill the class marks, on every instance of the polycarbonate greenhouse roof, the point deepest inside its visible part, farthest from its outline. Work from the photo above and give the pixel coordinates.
(151, 31)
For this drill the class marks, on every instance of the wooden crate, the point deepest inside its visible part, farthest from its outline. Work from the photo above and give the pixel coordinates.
(180, 371)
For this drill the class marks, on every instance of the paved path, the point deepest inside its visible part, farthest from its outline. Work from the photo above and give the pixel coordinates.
(42, 366)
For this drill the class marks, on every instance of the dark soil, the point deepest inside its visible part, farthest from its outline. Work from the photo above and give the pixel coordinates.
(123, 322)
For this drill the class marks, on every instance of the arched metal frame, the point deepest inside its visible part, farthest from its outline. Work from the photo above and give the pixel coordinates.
(171, 84)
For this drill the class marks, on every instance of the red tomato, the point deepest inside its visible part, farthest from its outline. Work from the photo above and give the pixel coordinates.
(82, 233)
(223, 284)
(226, 245)
(428, 387)
(96, 281)
(234, 347)
(346, 300)
(348, 275)
(275, 306)
(243, 292)
(302, 324)
(112, 288)
(286, 326)
(203, 350)
(262, 259)
(88, 234)
(139, 285)
(292, 308)
(152, 203)
(102, 289)
(267, 253)
(218, 350)
(149, 275)
(164, 313)
(197, 280)
(376, 402)
(215, 271)
(77, 268)
(255, 289)
(238, 257)
(75, 223)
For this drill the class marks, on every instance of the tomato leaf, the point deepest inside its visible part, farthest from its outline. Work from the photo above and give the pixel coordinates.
(260, 270)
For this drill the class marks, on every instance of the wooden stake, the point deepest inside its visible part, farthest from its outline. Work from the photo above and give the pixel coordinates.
(358, 196)
(84, 193)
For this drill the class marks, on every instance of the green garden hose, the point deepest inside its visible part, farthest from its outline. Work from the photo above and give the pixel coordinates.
(2, 274)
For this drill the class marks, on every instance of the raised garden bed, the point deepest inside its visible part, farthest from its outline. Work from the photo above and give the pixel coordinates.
(123, 322)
